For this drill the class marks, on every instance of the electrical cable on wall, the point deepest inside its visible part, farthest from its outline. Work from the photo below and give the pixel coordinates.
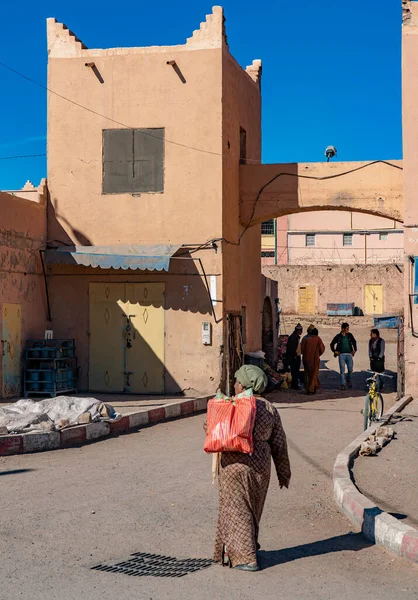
(46, 88)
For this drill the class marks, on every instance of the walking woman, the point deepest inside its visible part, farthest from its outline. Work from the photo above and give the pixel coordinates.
(244, 479)
(312, 349)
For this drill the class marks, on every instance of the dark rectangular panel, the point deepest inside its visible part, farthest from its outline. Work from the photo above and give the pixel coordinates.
(149, 160)
(118, 164)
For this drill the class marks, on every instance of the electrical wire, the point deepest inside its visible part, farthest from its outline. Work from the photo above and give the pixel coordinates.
(46, 88)
(317, 178)
(22, 156)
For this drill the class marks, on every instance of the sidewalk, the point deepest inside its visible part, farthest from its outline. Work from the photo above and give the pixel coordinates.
(381, 527)
(390, 479)
(136, 413)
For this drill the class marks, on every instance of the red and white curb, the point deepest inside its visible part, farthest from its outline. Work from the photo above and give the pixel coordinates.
(81, 434)
(376, 525)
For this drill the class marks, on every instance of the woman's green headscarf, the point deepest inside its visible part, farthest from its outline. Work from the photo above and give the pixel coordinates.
(253, 377)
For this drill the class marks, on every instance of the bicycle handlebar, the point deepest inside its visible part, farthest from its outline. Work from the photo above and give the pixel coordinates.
(380, 374)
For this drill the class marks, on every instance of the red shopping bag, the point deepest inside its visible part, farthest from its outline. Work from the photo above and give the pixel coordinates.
(230, 424)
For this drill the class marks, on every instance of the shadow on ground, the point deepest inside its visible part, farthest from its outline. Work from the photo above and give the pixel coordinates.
(15, 472)
(353, 542)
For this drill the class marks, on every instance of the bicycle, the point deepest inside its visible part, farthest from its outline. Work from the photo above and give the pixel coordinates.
(374, 406)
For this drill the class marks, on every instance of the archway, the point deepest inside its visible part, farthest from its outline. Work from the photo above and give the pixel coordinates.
(270, 191)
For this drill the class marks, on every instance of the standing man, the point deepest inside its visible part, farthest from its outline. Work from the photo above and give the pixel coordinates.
(293, 355)
(376, 352)
(344, 346)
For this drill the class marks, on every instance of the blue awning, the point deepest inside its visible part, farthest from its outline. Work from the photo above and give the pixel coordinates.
(154, 257)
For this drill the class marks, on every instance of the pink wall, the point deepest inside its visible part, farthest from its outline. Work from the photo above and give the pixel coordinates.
(329, 248)
(410, 152)
(241, 108)
(22, 235)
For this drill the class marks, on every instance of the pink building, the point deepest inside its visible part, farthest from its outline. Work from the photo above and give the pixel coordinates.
(331, 237)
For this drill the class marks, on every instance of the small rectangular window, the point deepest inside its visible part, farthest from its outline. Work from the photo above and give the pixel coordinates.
(267, 228)
(347, 239)
(383, 237)
(267, 254)
(310, 240)
(242, 146)
(133, 161)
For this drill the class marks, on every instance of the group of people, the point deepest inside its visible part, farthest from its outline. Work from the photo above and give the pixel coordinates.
(310, 348)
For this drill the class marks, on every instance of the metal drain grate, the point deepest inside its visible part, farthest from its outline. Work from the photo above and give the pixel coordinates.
(141, 564)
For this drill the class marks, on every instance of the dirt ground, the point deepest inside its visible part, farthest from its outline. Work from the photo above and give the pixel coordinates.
(390, 478)
(65, 511)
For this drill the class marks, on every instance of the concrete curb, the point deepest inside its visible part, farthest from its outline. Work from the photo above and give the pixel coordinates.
(83, 434)
(376, 525)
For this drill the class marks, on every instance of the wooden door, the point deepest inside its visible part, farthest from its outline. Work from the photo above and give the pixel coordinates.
(11, 342)
(145, 350)
(373, 301)
(306, 300)
(107, 326)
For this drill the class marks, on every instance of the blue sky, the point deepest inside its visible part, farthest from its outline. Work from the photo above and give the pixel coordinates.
(331, 70)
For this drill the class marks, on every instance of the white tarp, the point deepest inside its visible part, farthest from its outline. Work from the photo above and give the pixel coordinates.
(53, 413)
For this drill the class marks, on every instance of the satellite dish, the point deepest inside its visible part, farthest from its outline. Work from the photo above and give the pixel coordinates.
(330, 152)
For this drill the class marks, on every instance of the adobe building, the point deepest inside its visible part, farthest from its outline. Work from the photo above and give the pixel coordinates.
(148, 267)
(410, 187)
(153, 211)
(23, 301)
(307, 253)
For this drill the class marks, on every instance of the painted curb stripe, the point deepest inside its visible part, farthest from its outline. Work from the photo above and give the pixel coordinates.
(376, 525)
(81, 434)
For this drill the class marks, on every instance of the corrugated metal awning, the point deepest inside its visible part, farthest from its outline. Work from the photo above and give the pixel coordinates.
(154, 257)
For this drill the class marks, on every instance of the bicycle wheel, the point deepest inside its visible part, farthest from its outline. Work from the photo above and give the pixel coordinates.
(379, 407)
(367, 412)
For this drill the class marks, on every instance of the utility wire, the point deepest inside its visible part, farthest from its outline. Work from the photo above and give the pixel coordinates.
(44, 87)
(323, 178)
(22, 156)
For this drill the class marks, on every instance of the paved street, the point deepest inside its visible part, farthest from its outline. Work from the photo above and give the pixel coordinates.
(151, 491)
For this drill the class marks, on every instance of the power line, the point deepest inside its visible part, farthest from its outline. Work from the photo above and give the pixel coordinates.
(44, 87)
(22, 156)
(317, 178)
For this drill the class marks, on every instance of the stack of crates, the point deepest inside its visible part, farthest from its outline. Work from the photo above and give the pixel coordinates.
(50, 368)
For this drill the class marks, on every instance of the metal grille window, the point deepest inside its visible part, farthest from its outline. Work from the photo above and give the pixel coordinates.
(347, 239)
(133, 161)
(310, 240)
(267, 228)
(383, 237)
(267, 253)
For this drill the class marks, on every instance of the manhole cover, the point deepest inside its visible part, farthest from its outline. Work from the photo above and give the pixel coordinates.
(141, 564)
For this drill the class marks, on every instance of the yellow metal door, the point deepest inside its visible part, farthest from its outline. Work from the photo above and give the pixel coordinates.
(107, 325)
(307, 300)
(11, 341)
(145, 348)
(373, 299)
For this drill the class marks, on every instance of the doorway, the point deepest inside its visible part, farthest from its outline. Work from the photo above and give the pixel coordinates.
(234, 349)
(11, 341)
(267, 333)
(306, 300)
(127, 338)
(373, 299)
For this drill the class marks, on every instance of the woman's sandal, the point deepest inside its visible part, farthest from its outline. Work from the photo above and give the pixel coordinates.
(248, 567)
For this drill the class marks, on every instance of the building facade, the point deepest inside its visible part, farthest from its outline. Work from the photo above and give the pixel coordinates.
(335, 257)
(144, 151)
